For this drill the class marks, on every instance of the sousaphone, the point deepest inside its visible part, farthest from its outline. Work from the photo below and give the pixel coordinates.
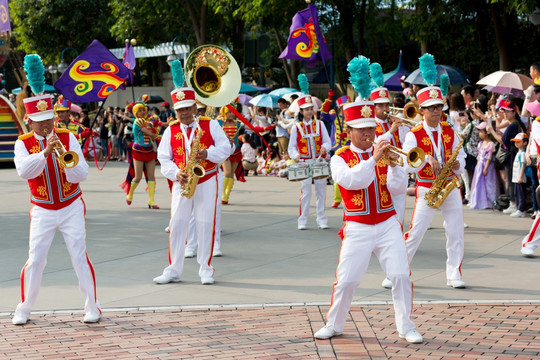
(214, 75)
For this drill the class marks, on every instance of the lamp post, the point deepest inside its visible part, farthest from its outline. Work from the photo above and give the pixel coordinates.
(63, 66)
(173, 55)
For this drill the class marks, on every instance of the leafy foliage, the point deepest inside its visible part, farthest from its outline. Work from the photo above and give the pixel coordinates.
(47, 27)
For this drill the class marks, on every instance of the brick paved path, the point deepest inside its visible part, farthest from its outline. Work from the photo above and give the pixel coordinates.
(455, 331)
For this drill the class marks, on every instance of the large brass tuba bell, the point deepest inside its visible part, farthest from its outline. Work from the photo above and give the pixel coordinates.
(214, 75)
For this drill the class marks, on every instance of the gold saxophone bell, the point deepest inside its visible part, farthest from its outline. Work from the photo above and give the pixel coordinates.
(66, 159)
(214, 75)
(410, 111)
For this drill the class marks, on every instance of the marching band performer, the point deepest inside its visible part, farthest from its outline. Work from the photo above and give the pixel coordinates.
(173, 154)
(439, 142)
(309, 140)
(57, 204)
(62, 109)
(367, 186)
(232, 128)
(145, 133)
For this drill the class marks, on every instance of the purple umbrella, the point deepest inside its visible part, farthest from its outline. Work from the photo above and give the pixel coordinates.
(244, 99)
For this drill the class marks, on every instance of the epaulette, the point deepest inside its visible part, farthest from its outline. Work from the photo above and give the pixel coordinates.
(416, 128)
(140, 122)
(444, 123)
(205, 118)
(341, 150)
(26, 136)
(61, 131)
(174, 122)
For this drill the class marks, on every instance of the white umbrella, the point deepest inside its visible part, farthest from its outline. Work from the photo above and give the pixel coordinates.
(506, 82)
(288, 96)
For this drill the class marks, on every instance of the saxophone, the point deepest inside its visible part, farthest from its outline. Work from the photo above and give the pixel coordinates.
(439, 191)
(193, 170)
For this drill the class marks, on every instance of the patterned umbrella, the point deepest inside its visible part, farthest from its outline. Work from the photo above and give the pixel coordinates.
(456, 76)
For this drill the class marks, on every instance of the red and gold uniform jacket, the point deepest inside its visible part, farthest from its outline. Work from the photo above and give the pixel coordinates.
(383, 128)
(426, 175)
(304, 133)
(371, 205)
(51, 189)
(178, 146)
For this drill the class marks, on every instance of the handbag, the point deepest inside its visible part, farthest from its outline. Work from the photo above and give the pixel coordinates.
(502, 155)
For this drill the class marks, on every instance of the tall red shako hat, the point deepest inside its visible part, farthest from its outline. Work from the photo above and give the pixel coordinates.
(181, 96)
(430, 95)
(39, 107)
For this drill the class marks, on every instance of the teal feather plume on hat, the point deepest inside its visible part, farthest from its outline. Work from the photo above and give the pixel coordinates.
(177, 73)
(360, 80)
(445, 82)
(35, 73)
(428, 69)
(376, 73)
(303, 83)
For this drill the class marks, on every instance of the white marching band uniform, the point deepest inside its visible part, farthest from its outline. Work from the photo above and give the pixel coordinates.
(49, 216)
(361, 239)
(316, 135)
(203, 204)
(452, 208)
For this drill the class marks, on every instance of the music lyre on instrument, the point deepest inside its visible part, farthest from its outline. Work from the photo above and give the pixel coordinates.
(215, 76)
(66, 159)
(409, 114)
(415, 156)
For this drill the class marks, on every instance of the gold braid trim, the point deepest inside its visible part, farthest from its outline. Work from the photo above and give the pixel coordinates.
(342, 149)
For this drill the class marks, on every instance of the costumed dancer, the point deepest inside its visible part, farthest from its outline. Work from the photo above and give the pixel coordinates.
(55, 195)
(143, 152)
(367, 187)
(232, 129)
(440, 144)
(309, 141)
(210, 147)
(62, 109)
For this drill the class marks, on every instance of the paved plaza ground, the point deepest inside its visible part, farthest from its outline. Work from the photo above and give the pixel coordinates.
(272, 289)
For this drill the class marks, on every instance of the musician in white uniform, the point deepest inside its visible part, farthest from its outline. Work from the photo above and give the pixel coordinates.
(309, 141)
(438, 141)
(173, 153)
(58, 205)
(367, 187)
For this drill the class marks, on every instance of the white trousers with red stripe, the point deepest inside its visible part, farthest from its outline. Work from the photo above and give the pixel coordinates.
(359, 241)
(305, 199)
(452, 211)
(204, 207)
(532, 239)
(192, 232)
(43, 225)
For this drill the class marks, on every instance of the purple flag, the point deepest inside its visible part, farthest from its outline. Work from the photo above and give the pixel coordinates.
(5, 26)
(92, 76)
(306, 41)
(129, 61)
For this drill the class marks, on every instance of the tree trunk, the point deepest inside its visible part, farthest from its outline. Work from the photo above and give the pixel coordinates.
(361, 27)
(505, 62)
(284, 61)
(198, 19)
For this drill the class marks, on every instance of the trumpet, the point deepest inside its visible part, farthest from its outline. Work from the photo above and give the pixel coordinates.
(415, 156)
(66, 159)
(410, 111)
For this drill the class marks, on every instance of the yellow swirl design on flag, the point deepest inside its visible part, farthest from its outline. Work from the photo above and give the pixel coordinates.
(86, 80)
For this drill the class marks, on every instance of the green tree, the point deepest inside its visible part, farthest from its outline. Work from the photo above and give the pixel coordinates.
(47, 27)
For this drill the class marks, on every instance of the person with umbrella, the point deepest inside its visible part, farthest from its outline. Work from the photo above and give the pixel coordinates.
(309, 141)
